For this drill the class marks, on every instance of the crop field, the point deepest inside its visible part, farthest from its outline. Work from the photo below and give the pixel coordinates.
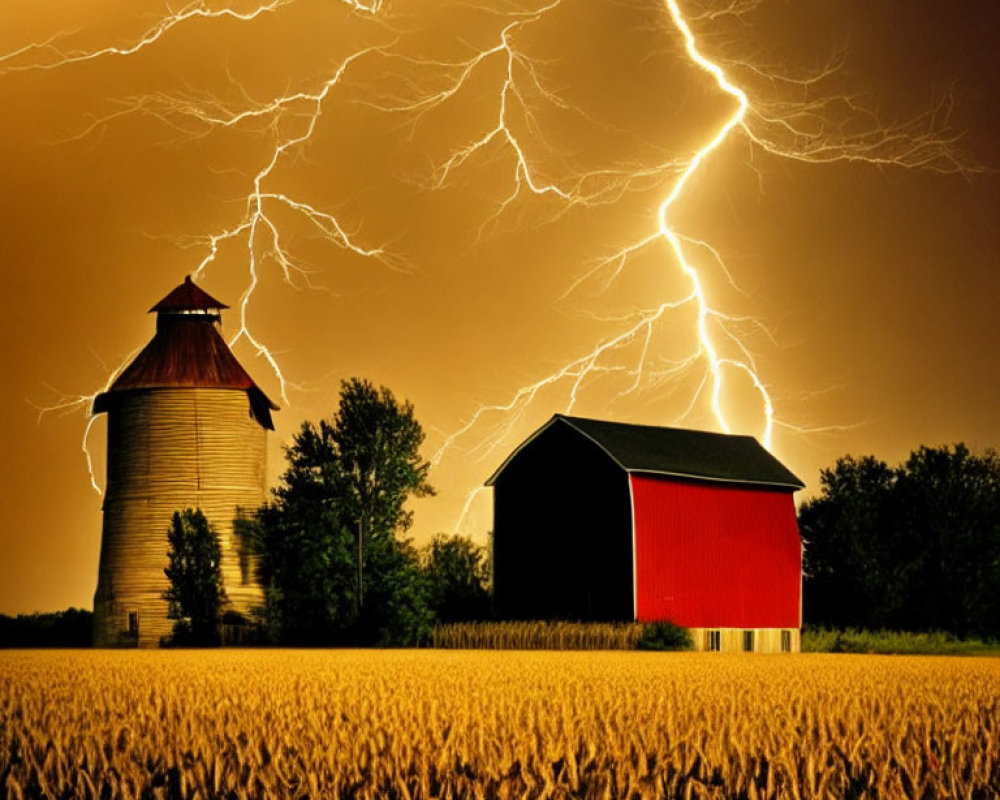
(482, 724)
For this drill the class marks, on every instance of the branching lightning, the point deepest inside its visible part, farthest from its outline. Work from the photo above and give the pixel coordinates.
(800, 129)
(53, 57)
(795, 131)
(256, 228)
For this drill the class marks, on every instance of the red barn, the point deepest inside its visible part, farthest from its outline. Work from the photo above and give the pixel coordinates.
(599, 520)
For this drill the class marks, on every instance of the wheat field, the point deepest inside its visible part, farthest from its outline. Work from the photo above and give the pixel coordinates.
(482, 724)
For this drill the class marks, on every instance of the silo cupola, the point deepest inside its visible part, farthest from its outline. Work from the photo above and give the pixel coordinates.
(188, 301)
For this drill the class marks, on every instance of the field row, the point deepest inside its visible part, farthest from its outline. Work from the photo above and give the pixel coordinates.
(455, 724)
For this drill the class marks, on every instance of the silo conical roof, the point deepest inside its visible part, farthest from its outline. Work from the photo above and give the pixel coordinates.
(188, 351)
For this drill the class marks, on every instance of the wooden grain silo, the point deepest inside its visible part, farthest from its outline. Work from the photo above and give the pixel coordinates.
(187, 428)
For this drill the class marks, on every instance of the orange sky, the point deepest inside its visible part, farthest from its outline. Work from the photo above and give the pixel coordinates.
(865, 293)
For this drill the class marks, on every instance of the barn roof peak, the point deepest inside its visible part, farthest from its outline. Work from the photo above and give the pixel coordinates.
(674, 452)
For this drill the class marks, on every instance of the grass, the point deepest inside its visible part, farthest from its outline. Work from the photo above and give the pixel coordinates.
(882, 642)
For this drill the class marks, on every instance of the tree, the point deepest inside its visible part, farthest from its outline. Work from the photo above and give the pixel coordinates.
(458, 577)
(396, 611)
(332, 558)
(947, 502)
(847, 536)
(916, 547)
(378, 444)
(196, 595)
(305, 554)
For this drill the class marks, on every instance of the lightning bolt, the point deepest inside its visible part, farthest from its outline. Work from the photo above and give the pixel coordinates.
(798, 129)
(914, 145)
(257, 227)
(906, 146)
(53, 57)
(84, 403)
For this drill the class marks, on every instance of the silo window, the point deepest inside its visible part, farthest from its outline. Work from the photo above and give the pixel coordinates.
(133, 623)
(786, 641)
(747, 641)
(714, 641)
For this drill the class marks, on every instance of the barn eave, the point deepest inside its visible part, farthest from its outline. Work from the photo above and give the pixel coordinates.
(791, 487)
(490, 481)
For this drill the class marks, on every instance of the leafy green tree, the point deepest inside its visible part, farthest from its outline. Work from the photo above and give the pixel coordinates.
(305, 557)
(196, 595)
(916, 547)
(331, 554)
(396, 611)
(458, 579)
(378, 444)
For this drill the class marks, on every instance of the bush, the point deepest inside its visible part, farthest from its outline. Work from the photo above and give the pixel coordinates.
(457, 575)
(665, 635)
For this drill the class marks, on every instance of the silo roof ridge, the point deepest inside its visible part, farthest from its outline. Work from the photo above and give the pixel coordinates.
(187, 297)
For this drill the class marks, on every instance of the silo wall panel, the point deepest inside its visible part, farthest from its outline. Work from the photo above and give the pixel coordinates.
(171, 449)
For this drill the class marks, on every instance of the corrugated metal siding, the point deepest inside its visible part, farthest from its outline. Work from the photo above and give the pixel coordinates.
(171, 449)
(715, 556)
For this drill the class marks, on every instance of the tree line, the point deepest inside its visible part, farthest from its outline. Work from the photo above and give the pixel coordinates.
(69, 628)
(915, 547)
(330, 547)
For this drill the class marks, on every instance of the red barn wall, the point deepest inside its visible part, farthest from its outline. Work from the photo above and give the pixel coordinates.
(711, 556)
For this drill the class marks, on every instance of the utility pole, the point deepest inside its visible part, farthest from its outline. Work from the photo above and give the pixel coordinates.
(359, 595)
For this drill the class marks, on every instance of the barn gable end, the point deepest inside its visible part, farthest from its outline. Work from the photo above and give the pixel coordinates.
(564, 545)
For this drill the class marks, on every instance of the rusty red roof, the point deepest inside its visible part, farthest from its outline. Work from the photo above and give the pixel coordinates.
(188, 297)
(188, 351)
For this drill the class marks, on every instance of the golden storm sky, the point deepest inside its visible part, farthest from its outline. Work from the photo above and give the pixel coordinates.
(866, 293)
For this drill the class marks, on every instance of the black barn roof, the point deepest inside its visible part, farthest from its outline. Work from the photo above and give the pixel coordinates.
(675, 452)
